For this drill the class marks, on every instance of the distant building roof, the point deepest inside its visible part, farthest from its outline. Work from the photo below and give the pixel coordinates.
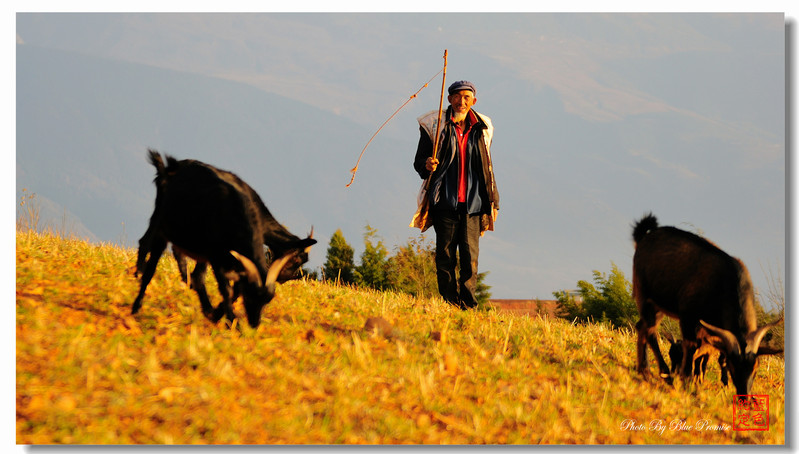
(526, 307)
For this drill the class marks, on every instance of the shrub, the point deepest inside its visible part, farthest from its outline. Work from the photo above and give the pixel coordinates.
(609, 300)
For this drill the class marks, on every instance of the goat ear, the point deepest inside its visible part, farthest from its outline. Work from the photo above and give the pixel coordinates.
(726, 341)
(306, 244)
(250, 270)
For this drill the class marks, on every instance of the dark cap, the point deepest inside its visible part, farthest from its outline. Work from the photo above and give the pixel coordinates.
(462, 85)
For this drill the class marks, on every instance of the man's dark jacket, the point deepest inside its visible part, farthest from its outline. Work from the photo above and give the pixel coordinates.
(482, 196)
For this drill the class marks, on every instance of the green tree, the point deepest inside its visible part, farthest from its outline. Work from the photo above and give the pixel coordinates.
(373, 270)
(339, 266)
(567, 305)
(412, 268)
(609, 299)
(481, 292)
(774, 296)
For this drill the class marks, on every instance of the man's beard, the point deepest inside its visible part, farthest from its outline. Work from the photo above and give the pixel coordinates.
(458, 117)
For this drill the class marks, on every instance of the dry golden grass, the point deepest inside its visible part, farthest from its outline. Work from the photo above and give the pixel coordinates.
(89, 373)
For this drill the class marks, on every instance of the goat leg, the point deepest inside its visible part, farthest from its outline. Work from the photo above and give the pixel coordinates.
(652, 340)
(700, 366)
(198, 284)
(647, 328)
(643, 368)
(157, 247)
(225, 308)
(145, 243)
(723, 368)
(182, 266)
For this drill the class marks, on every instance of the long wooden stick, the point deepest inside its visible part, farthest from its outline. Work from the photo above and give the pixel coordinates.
(421, 219)
(440, 105)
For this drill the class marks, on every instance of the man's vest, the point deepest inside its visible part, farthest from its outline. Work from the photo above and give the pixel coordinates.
(429, 121)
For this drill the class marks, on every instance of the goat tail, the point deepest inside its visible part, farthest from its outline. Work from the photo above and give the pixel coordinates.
(642, 227)
(158, 162)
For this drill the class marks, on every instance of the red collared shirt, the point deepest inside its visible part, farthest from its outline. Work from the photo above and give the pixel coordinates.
(462, 131)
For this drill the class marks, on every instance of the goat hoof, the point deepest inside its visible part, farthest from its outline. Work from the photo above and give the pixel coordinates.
(211, 316)
(217, 314)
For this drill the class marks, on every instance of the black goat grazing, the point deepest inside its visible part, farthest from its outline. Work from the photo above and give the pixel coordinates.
(276, 236)
(215, 218)
(684, 276)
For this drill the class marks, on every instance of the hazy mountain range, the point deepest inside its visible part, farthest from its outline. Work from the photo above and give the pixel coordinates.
(599, 118)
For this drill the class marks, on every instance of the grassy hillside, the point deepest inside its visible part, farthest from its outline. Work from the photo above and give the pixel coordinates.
(88, 372)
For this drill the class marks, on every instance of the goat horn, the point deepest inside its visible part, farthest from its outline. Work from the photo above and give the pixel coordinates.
(731, 344)
(753, 340)
(310, 237)
(274, 269)
(249, 267)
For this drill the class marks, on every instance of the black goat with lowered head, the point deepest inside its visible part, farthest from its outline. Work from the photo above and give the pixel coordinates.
(684, 276)
(214, 217)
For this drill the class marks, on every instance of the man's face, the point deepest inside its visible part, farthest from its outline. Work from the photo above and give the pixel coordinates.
(462, 101)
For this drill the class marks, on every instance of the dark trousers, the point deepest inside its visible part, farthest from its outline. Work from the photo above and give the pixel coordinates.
(457, 231)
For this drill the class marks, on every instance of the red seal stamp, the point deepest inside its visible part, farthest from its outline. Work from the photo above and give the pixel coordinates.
(750, 412)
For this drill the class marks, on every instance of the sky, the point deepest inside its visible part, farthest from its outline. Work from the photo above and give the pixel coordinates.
(599, 119)
(585, 96)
